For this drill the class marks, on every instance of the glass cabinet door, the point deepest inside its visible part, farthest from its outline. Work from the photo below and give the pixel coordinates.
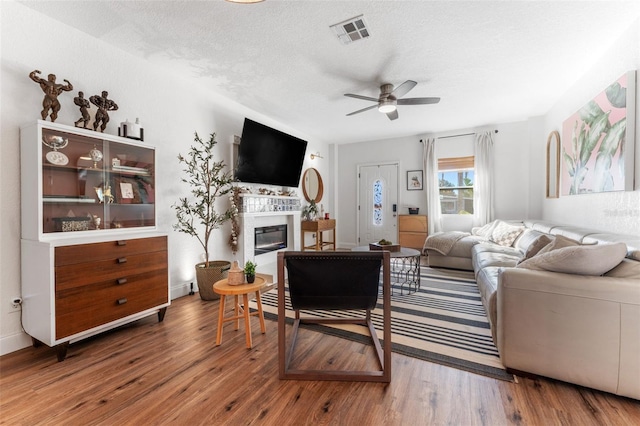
(92, 183)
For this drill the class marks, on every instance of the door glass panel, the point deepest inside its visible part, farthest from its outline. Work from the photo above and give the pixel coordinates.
(377, 202)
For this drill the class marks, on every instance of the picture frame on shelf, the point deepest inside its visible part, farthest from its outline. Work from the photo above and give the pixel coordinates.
(127, 191)
(414, 180)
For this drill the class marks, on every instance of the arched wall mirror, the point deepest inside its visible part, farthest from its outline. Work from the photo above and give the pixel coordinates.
(553, 165)
(312, 185)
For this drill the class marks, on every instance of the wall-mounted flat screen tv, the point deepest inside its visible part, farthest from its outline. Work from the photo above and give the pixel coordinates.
(269, 156)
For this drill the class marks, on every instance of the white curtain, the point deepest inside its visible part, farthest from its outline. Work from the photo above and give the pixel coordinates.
(430, 163)
(483, 185)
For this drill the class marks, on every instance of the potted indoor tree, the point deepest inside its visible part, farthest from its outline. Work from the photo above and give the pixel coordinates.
(197, 215)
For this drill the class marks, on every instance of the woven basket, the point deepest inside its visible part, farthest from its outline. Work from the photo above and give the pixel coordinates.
(207, 277)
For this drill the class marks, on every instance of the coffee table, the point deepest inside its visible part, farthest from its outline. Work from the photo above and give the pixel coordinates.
(223, 288)
(405, 268)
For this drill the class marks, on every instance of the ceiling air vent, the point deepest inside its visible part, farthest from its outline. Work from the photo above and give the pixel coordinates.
(351, 30)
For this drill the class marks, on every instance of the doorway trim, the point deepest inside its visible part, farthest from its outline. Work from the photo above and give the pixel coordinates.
(357, 198)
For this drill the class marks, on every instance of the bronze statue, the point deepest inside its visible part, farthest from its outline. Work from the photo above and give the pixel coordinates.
(84, 109)
(51, 91)
(104, 106)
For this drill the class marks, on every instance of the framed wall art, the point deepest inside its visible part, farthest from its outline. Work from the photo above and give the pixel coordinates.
(598, 141)
(414, 180)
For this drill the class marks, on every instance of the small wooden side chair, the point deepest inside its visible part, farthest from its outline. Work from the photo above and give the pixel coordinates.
(331, 281)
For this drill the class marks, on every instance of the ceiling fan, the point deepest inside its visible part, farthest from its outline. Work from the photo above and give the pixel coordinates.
(390, 98)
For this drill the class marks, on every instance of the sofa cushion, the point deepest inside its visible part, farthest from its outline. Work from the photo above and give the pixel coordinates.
(505, 234)
(573, 232)
(579, 260)
(486, 259)
(633, 243)
(487, 280)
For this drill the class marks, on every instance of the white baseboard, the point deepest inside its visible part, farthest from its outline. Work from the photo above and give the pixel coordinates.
(182, 289)
(14, 342)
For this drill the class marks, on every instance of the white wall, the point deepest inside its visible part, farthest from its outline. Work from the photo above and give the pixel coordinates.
(405, 151)
(170, 107)
(614, 211)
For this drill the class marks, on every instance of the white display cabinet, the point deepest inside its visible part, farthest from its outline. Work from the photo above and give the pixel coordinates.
(92, 258)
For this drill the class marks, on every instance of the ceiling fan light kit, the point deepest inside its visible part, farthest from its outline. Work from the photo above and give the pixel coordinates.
(389, 99)
(387, 106)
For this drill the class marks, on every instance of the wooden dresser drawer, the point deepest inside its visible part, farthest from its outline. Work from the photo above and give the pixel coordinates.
(71, 255)
(413, 240)
(84, 307)
(114, 268)
(413, 223)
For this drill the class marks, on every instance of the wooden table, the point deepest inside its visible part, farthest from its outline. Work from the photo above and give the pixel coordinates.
(318, 227)
(223, 288)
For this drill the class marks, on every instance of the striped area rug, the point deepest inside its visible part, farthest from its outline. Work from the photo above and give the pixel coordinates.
(443, 322)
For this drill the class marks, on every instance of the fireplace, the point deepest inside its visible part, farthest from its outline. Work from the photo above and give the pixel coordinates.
(270, 238)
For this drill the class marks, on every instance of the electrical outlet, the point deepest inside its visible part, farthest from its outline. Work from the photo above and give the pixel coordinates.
(16, 302)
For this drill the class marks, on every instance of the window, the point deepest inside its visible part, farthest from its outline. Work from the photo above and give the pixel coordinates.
(456, 178)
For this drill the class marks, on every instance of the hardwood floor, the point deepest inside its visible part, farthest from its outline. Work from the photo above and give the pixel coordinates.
(172, 373)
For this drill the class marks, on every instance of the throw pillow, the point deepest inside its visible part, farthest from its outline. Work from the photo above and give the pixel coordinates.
(558, 242)
(484, 231)
(579, 260)
(505, 234)
(626, 269)
(534, 247)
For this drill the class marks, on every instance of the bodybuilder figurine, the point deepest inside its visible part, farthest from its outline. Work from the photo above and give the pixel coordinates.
(51, 91)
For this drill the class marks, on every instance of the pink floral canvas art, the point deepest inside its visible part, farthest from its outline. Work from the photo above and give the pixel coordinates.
(598, 142)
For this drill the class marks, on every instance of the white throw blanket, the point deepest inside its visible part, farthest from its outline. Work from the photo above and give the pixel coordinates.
(443, 242)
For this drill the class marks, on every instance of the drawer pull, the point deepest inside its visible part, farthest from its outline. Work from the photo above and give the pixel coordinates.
(122, 260)
(121, 301)
(122, 280)
(121, 242)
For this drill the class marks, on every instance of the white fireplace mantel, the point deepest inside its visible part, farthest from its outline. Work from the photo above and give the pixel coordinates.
(267, 262)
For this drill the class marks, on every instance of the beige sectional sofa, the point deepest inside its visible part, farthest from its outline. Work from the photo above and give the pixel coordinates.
(563, 302)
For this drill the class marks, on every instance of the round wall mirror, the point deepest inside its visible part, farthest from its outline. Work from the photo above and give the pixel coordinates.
(312, 185)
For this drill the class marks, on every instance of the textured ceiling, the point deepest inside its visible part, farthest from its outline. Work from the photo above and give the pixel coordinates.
(489, 61)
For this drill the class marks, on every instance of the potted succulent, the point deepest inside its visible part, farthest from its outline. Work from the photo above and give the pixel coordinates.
(197, 215)
(250, 271)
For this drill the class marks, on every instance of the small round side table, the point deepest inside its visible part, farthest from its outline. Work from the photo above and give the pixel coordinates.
(224, 289)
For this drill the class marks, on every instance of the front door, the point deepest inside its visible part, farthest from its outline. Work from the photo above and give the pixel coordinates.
(377, 203)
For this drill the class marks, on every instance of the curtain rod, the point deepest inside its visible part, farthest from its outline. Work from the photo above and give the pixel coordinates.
(455, 136)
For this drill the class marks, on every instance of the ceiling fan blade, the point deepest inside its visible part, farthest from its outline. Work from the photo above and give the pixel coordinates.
(418, 101)
(393, 114)
(363, 110)
(403, 89)
(366, 98)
